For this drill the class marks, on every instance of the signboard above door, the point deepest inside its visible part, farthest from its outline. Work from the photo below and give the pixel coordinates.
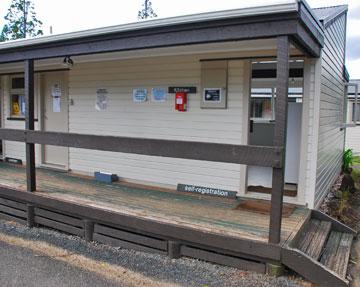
(188, 90)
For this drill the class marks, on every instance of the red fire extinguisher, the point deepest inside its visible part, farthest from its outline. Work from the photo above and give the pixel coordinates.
(181, 102)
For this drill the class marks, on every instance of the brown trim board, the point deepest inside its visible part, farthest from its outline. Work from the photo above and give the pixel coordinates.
(241, 154)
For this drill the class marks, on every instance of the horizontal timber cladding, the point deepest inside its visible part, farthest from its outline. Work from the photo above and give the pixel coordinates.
(127, 231)
(331, 118)
(13, 210)
(222, 259)
(154, 120)
(254, 155)
(59, 221)
(127, 239)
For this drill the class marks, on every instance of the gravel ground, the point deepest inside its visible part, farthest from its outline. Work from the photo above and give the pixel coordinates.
(184, 271)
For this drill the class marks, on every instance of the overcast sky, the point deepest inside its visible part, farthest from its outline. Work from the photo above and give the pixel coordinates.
(73, 15)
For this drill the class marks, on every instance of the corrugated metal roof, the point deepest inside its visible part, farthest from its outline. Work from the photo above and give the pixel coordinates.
(328, 13)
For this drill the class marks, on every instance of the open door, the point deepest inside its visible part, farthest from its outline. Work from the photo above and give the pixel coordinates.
(262, 122)
(55, 117)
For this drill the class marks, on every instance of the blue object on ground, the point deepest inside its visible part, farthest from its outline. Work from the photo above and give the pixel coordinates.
(105, 177)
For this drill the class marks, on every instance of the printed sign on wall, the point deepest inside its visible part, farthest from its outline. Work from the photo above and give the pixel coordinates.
(206, 190)
(56, 98)
(212, 95)
(101, 99)
(139, 95)
(158, 95)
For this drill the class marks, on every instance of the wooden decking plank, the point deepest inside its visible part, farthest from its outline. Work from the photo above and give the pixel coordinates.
(308, 235)
(204, 213)
(341, 260)
(331, 249)
(317, 244)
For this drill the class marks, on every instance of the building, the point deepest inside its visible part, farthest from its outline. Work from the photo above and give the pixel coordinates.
(200, 103)
(353, 133)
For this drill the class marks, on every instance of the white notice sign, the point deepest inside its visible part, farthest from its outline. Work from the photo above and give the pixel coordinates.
(101, 99)
(56, 98)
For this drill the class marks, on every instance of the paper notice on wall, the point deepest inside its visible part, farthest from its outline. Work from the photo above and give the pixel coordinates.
(56, 98)
(56, 104)
(101, 99)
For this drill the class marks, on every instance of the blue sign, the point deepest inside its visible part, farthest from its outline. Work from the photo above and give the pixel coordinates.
(159, 95)
(139, 95)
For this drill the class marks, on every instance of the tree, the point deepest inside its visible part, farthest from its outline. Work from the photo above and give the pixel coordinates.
(21, 21)
(147, 11)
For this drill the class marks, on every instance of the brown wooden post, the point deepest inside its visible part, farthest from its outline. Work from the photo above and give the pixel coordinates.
(281, 105)
(29, 124)
(30, 215)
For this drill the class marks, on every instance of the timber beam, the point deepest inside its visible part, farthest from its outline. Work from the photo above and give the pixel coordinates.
(238, 154)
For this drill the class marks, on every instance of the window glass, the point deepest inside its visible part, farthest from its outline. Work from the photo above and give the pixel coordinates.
(261, 108)
(358, 112)
(17, 105)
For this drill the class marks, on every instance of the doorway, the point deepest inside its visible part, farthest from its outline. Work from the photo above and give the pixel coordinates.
(55, 117)
(262, 123)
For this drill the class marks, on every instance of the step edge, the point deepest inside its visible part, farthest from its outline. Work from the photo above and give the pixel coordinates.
(289, 252)
(328, 231)
(338, 226)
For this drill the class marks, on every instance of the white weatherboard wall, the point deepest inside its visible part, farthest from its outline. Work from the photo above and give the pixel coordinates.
(123, 117)
(353, 139)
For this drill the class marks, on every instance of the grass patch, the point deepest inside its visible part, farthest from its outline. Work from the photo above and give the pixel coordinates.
(356, 160)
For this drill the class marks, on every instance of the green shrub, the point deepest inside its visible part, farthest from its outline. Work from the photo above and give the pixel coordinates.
(347, 160)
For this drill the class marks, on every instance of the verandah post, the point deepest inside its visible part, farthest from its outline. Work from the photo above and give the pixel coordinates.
(281, 106)
(29, 124)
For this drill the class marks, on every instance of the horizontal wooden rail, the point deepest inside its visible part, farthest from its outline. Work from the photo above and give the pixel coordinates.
(238, 154)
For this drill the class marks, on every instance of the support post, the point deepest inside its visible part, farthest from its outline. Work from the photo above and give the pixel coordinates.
(88, 230)
(281, 106)
(174, 251)
(30, 125)
(30, 215)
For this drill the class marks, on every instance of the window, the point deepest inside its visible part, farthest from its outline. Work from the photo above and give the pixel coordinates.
(17, 105)
(261, 108)
(262, 103)
(358, 113)
(17, 98)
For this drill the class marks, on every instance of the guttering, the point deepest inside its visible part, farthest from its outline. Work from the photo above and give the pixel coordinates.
(278, 7)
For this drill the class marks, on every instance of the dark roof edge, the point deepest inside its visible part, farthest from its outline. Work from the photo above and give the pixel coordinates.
(311, 22)
(331, 18)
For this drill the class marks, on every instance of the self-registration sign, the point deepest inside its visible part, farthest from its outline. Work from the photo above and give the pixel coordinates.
(206, 190)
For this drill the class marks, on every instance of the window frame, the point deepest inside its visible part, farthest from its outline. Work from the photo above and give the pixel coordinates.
(15, 92)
